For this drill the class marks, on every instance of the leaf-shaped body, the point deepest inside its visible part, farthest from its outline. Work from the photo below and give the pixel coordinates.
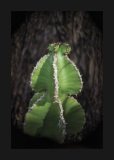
(52, 113)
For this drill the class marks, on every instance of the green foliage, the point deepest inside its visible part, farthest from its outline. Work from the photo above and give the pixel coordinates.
(53, 112)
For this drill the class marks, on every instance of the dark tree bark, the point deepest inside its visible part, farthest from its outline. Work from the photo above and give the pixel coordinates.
(29, 44)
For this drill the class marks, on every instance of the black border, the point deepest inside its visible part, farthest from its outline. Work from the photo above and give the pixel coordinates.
(5, 81)
(21, 141)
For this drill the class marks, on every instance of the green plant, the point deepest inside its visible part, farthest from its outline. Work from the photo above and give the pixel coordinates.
(53, 112)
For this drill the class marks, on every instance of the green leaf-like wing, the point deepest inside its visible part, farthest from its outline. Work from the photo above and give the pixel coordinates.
(74, 116)
(34, 118)
(42, 75)
(70, 81)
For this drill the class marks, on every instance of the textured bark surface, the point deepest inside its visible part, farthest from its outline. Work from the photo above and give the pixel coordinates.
(29, 44)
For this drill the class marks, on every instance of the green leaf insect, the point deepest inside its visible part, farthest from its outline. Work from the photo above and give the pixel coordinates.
(53, 112)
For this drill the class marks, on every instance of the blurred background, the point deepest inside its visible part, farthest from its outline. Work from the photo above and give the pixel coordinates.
(17, 18)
